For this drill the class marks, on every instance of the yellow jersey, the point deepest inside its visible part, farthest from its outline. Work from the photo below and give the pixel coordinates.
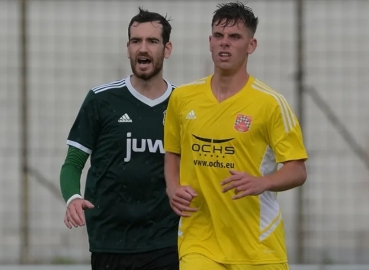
(252, 131)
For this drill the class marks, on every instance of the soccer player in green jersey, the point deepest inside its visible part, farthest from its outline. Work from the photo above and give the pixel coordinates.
(129, 221)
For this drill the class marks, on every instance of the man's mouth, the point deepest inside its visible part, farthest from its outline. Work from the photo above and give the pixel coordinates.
(143, 61)
(224, 54)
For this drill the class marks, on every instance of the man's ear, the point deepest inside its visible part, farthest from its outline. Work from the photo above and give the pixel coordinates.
(168, 49)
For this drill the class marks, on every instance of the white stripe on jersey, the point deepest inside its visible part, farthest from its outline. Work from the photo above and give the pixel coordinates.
(289, 120)
(104, 87)
(79, 146)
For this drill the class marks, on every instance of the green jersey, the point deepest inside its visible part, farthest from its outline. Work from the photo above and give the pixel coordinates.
(122, 130)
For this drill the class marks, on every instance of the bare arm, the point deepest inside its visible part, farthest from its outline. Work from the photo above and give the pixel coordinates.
(291, 175)
(171, 170)
(180, 197)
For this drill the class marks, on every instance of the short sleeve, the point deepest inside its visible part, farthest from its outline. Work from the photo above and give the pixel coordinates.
(172, 128)
(85, 130)
(284, 134)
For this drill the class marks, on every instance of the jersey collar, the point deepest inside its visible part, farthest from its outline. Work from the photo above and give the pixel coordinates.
(147, 101)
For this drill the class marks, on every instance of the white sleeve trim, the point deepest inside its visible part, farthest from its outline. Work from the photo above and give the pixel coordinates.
(75, 196)
(79, 146)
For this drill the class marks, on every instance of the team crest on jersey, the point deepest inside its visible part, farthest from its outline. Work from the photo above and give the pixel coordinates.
(165, 113)
(242, 123)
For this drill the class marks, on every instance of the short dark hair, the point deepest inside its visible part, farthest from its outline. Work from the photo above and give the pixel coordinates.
(147, 16)
(233, 13)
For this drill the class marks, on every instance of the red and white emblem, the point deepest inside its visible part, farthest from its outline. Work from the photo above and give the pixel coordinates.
(242, 123)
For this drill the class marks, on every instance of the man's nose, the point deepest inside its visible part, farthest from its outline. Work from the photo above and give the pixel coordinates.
(224, 42)
(143, 47)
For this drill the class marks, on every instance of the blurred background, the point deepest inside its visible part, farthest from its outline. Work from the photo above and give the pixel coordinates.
(314, 52)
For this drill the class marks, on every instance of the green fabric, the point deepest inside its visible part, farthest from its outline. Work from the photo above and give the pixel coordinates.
(70, 174)
(125, 181)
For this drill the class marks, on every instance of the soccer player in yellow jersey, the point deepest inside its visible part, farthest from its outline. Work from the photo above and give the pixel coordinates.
(224, 137)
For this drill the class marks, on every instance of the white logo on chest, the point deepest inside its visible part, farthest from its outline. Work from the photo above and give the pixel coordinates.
(152, 146)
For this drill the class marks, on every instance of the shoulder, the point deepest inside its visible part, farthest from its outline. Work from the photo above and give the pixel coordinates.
(190, 88)
(171, 85)
(267, 94)
(103, 88)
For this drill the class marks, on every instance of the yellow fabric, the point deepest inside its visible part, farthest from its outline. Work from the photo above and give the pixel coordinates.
(251, 131)
(200, 262)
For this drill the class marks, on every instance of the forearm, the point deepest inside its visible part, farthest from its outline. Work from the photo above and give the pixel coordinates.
(171, 170)
(71, 171)
(291, 175)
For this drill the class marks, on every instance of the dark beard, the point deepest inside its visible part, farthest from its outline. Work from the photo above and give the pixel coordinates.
(147, 76)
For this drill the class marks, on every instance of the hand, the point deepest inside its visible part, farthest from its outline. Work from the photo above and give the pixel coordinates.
(180, 199)
(74, 214)
(244, 184)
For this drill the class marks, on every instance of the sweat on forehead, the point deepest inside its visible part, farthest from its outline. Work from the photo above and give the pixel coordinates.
(225, 26)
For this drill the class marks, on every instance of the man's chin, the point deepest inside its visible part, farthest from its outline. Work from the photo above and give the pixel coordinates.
(144, 75)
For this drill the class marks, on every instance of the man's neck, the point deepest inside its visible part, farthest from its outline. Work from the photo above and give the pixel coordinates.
(152, 88)
(226, 85)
